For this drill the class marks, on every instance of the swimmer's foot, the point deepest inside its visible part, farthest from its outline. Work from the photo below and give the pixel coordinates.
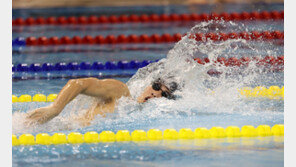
(40, 115)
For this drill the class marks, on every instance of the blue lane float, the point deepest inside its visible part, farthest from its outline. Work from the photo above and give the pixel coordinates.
(100, 76)
(73, 66)
(19, 41)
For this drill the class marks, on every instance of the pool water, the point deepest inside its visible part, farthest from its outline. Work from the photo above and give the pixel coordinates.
(194, 109)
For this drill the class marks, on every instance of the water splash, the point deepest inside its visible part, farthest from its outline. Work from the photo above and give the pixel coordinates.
(199, 92)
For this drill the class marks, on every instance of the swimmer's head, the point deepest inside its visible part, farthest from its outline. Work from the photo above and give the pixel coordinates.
(158, 89)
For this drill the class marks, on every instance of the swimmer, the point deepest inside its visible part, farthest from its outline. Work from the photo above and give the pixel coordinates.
(107, 91)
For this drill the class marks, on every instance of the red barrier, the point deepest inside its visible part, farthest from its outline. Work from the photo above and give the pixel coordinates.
(154, 38)
(267, 61)
(72, 20)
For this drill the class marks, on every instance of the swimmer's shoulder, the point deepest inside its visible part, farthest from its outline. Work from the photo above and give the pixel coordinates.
(118, 86)
(114, 82)
(106, 81)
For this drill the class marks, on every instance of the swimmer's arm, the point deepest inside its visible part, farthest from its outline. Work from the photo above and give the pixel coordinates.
(105, 89)
(87, 86)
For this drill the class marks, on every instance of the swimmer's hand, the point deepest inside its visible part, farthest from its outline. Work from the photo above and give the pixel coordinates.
(41, 115)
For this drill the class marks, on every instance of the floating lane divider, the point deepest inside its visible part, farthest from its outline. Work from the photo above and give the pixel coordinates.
(268, 61)
(36, 98)
(73, 66)
(150, 135)
(144, 18)
(73, 76)
(273, 92)
(144, 38)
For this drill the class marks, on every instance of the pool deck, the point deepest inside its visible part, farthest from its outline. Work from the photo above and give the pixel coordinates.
(93, 3)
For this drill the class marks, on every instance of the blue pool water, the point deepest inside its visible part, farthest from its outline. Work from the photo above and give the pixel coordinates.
(194, 109)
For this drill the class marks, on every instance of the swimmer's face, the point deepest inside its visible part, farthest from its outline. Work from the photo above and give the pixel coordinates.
(149, 93)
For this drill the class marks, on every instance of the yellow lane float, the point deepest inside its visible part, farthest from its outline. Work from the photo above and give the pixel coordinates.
(246, 131)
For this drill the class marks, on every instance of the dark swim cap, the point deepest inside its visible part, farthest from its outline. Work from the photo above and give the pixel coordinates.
(171, 86)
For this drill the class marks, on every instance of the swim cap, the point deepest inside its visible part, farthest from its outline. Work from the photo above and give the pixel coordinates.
(171, 85)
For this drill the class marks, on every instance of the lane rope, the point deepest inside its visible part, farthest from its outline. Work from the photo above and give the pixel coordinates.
(72, 76)
(144, 38)
(73, 66)
(92, 137)
(267, 61)
(272, 92)
(144, 18)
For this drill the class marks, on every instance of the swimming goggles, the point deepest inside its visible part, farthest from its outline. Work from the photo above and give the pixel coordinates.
(157, 86)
